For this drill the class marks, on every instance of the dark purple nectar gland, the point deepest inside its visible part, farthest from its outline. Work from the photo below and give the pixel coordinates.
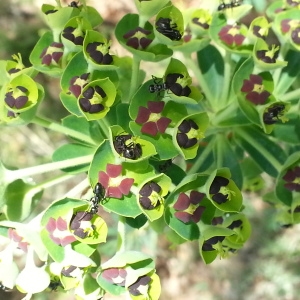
(197, 22)
(272, 114)
(13, 70)
(75, 35)
(81, 224)
(207, 245)
(126, 147)
(168, 29)
(140, 286)
(235, 224)
(77, 83)
(11, 114)
(90, 102)
(220, 193)
(295, 210)
(292, 178)
(149, 195)
(260, 31)
(52, 54)
(188, 134)
(99, 53)
(137, 38)
(292, 3)
(175, 87)
(296, 36)
(16, 97)
(268, 56)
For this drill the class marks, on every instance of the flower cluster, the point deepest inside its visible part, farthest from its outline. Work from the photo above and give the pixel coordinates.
(91, 100)
(178, 84)
(19, 240)
(81, 224)
(115, 276)
(137, 38)
(58, 231)
(231, 35)
(268, 56)
(188, 208)
(255, 90)
(150, 196)
(77, 83)
(114, 183)
(219, 191)
(99, 53)
(17, 97)
(140, 287)
(51, 55)
(75, 35)
(209, 244)
(188, 134)
(292, 178)
(151, 119)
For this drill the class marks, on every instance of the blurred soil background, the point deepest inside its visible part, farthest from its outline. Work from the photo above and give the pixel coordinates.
(267, 268)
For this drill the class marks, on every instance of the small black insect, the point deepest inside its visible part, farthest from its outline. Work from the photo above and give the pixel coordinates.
(164, 26)
(126, 147)
(165, 166)
(99, 195)
(158, 85)
(54, 285)
(271, 115)
(74, 4)
(4, 288)
(232, 4)
(133, 151)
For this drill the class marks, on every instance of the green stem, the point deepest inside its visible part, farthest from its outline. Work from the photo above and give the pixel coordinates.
(134, 77)
(276, 76)
(11, 175)
(226, 80)
(80, 189)
(58, 3)
(121, 235)
(54, 180)
(260, 148)
(277, 72)
(104, 126)
(200, 78)
(43, 185)
(62, 129)
(201, 159)
(225, 114)
(291, 95)
(218, 151)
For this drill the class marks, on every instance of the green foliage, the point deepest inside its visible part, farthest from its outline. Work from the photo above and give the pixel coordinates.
(172, 153)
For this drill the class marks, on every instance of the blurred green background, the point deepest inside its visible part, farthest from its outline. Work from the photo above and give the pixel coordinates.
(267, 268)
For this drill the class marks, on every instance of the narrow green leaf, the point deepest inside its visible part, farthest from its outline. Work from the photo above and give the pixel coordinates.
(225, 156)
(267, 154)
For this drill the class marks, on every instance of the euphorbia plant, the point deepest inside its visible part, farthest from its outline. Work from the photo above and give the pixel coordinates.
(176, 150)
